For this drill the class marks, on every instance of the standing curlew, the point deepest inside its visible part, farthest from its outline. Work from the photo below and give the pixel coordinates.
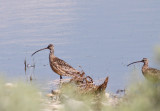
(59, 66)
(151, 74)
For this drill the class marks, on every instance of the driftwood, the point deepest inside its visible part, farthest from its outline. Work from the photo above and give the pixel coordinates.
(82, 84)
(86, 84)
(92, 88)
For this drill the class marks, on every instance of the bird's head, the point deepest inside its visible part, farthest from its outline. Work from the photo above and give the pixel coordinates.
(50, 47)
(144, 60)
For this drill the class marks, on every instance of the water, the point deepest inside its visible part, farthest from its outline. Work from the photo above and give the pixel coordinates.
(101, 36)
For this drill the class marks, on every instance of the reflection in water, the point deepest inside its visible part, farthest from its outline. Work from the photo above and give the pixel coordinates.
(29, 70)
(25, 65)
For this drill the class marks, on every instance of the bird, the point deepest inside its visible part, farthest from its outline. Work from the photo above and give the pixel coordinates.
(150, 74)
(59, 66)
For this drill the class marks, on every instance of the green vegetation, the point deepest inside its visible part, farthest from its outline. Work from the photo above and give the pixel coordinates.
(18, 97)
(144, 96)
(140, 96)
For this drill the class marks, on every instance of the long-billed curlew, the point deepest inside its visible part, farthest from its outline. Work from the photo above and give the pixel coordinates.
(149, 73)
(58, 65)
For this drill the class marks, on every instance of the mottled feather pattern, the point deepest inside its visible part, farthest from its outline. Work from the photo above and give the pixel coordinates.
(153, 70)
(152, 74)
(59, 66)
(63, 67)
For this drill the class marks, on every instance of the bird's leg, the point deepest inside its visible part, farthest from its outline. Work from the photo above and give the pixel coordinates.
(60, 77)
(60, 81)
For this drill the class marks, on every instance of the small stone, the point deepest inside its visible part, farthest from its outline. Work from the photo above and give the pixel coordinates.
(9, 85)
(49, 95)
(107, 95)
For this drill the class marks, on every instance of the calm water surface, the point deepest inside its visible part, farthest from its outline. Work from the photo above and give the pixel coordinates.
(101, 36)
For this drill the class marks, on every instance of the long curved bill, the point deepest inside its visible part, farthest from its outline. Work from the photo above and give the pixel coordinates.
(133, 63)
(39, 50)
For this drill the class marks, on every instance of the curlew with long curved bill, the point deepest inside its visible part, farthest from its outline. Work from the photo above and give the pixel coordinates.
(151, 74)
(58, 65)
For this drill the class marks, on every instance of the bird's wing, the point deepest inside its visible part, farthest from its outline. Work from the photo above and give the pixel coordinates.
(154, 73)
(65, 67)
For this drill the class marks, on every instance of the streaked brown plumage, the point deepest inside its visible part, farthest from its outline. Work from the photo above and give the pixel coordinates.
(58, 65)
(151, 74)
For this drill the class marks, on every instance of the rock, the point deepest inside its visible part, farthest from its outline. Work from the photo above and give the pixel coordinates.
(9, 85)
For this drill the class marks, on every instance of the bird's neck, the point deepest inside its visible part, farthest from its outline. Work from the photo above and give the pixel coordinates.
(145, 66)
(51, 53)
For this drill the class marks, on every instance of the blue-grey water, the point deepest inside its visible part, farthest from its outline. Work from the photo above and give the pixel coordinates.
(101, 36)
